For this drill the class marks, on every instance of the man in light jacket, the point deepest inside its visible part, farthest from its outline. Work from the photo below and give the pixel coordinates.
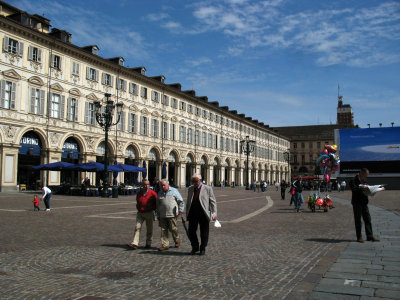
(201, 208)
(169, 205)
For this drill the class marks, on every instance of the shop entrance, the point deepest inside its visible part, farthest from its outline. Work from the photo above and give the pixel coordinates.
(29, 156)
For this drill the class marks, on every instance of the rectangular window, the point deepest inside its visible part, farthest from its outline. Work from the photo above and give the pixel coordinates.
(204, 139)
(221, 143)
(121, 123)
(37, 101)
(182, 105)
(210, 140)
(295, 145)
(75, 68)
(34, 54)
(8, 94)
(197, 137)
(133, 88)
(143, 92)
(182, 134)
(198, 111)
(132, 123)
(72, 109)
(303, 145)
(318, 145)
(311, 145)
(121, 84)
(303, 159)
(13, 46)
(154, 128)
(90, 113)
(190, 108)
(57, 106)
(165, 100)
(205, 114)
(55, 61)
(190, 136)
(107, 79)
(174, 103)
(173, 132)
(92, 74)
(164, 130)
(155, 96)
(144, 126)
(211, 116)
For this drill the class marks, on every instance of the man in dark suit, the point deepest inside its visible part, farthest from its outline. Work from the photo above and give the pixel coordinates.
(359, 200)
(201, 208)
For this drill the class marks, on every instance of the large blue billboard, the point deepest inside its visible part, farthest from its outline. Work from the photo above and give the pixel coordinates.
(377, 149)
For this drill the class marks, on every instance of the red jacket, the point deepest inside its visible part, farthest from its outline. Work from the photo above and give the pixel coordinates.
(35, 201)
(147, 202)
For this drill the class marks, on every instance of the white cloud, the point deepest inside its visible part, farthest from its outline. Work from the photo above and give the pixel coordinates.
(351, 36)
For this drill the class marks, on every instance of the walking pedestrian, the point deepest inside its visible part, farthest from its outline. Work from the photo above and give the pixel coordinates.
(169, 206)
(35, 201)
(258, 186)
(146, 205)
(277, 185)
(201, 208)
(343, 185)
(283, 189)
(46, 196)
(298, 186)
(359, 200)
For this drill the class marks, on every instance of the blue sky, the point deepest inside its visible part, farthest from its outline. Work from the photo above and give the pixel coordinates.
(279, 62)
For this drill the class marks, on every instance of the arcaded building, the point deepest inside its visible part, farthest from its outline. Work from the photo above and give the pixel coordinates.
(47, 114)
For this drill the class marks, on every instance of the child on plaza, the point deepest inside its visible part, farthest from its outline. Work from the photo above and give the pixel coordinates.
(35, 201)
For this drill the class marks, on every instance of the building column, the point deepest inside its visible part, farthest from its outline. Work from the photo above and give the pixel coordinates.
(9, 167)
(54, 176)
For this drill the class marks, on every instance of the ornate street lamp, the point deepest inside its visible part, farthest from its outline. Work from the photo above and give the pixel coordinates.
(104, 116)
(247, 147)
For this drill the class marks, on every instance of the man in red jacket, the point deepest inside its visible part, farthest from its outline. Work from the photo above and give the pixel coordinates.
(145, 204)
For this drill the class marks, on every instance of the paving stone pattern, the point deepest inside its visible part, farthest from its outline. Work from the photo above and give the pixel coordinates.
(78, 251)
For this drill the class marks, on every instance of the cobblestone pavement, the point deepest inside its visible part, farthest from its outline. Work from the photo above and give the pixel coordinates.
(264, 250)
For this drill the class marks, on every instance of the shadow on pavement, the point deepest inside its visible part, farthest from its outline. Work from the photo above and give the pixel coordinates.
(330, 241)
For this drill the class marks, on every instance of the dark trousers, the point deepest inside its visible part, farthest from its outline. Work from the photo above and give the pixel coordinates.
(195, 219)
(283, 194)
(46, 200)
(361, 210)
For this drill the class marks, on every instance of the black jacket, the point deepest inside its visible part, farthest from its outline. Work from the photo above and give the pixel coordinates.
(357, 194)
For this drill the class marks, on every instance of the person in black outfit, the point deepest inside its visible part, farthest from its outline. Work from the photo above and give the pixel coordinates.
(283, 189)
(359, 200)
(201, 209)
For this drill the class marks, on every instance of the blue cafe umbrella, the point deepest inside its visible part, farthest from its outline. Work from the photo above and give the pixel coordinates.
(129, 168)
(56, 166)
(164, 170)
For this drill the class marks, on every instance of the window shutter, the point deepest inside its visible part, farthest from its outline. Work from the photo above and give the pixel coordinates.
(87, 73)
(112, 81)
(124, 85)
(12, 102)
(69, 108)
(141, 125)
(86, 112)
(130, 122)
(123, 117)
(96, 74)
(39, 55)
(103, 78)
(20, 49)
(41, 102)
(76, 110)
(30, 53)
(52, 60)
(32, 110)
(5, 44)
(62, 107)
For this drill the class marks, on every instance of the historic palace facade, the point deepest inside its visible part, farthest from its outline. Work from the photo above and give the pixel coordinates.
(47, 114)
